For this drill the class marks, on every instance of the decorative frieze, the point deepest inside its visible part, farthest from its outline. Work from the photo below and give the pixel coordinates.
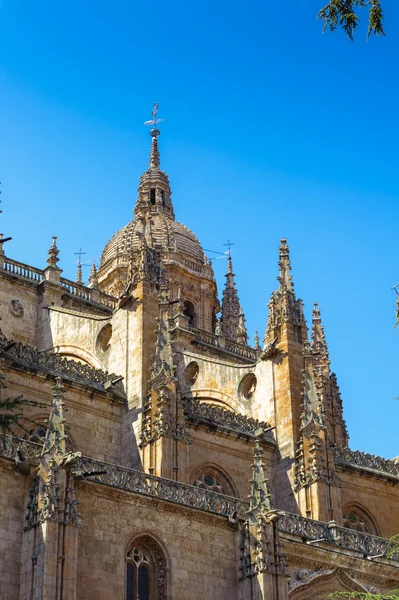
(216, 416)
(30, 357)
(356, 458)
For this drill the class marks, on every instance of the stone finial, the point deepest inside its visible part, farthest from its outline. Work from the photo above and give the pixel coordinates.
(231, 308)
(53, 254)
(242, 336)
(155, 157)
(319, 344)
(284, 266)
(259, 498)
(93, 280)
(54, 445)
(257, 341)
(79, 274)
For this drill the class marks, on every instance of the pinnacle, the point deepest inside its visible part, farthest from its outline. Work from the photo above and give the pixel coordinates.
(284, 265)
(155, 158)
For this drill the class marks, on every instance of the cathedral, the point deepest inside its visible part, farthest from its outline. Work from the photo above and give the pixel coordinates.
(160, 455)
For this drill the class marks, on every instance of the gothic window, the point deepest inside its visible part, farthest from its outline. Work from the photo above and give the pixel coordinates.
(189, 312)
(209, 481)
(355, 518)
(145, 571)
(210, 478)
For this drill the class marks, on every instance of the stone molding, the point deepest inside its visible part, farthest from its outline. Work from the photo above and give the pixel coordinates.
(46, 362)
(355, 458)
(216, 417)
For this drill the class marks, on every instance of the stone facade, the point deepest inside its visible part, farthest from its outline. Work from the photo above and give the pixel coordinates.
(162, 456)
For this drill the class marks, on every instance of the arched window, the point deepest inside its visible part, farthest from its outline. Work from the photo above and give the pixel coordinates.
(354, 517)
(189, 312)
(145, 571)
(210, 478)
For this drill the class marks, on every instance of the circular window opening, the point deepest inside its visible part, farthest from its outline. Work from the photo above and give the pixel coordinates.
(247, 386)
(191, 373)
(103, 338)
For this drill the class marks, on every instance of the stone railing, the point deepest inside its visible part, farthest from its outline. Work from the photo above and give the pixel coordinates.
(216, 417)
(224, 345)
(138, 482)
(74, 289)
(240, 350)
(363, 460)
(10, 445)
(57, 365)
(308, 529)
(21, 270)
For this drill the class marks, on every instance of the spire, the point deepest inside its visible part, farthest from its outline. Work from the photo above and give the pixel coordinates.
(242, 336)
(53, 253)
(155, 158)
(154, 190)
(93, 280)
(284, 265)
(231, 308)
(319, 344)
(79, 274)
(256, 341)
(54, 445)
(259, 498)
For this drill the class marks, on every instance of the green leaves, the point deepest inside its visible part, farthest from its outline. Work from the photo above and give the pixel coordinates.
(343, 14)
(11, 416)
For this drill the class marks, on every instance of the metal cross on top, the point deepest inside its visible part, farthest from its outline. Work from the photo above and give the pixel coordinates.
(80, 254)
(229, 245)
(154, 121)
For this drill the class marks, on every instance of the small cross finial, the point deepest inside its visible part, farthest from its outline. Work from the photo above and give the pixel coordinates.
(229, 245)
(154, 121)
(80, 254)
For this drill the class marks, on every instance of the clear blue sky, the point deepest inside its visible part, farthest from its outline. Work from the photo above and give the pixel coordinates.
(272, 129)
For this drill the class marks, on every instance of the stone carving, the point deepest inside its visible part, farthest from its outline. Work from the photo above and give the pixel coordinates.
(138, 482)
(215, 417)
(340, 536)
(16, 309)
(57, 365)
(362, 459)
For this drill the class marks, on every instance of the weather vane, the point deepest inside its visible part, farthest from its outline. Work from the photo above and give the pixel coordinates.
(154, 121)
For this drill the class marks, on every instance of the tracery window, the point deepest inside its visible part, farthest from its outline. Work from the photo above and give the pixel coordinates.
(209, 481)
(145, 571)
(355, 518)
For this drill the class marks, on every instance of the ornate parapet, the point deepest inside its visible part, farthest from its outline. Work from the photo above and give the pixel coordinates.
(130, 480)
(13, 448)
(219, 345)
(362, 460)
(56, 365)
(330, 533)
(216, 418)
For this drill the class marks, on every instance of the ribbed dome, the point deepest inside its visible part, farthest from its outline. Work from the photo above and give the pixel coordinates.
(165, 234)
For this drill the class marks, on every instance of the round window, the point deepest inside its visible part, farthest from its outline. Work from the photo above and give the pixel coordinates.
(191, 373)
(104, 338)
(247, 386)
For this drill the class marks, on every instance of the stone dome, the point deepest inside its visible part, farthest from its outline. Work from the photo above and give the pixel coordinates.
(165, 235)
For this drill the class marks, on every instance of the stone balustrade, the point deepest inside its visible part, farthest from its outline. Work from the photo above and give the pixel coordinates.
(48, 362)
(330, 533)
(36, 276)
(224, 345)
(13, 267)
(355, 458)
(138, 482)
(217, 417)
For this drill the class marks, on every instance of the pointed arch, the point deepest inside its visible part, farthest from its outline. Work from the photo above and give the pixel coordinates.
(317, 586)
(357, 517)
(214, 478)
(146, 569)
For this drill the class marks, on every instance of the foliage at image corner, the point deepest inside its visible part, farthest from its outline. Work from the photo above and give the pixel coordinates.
(11, 415)
(343, 14)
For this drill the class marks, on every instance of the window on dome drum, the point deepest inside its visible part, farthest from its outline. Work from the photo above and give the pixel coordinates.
(152, 196)
(354, 518)
(209, 481)
(163, 197)
(189, 312)
(145, 571)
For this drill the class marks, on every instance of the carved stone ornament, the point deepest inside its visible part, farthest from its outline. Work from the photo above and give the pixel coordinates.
(15, 307)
